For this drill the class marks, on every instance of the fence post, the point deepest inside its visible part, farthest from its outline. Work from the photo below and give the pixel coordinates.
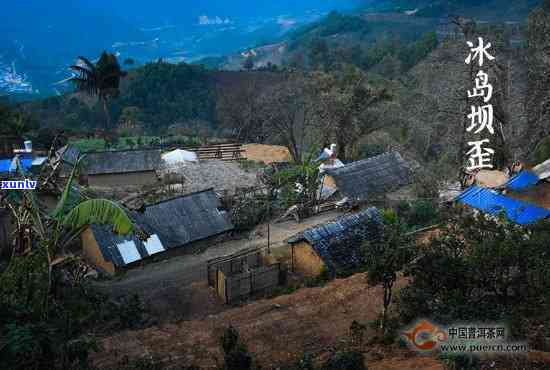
(225, 290)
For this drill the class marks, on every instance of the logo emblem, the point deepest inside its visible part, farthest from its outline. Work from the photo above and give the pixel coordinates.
(425, 336)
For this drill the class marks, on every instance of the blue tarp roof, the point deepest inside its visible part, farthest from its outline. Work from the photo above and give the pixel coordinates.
(6, 164)
(494, 203)
(522, 180)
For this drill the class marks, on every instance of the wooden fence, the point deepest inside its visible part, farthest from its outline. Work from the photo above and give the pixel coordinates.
(233, 264)
(224, 152)
(242, 276)
(255, 282)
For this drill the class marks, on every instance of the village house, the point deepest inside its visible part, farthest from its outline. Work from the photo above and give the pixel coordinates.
(122, 168)
(335, 246)
(369, 179)
(177, 225)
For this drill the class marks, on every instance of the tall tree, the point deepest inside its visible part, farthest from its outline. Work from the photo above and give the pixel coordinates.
(385, 258)
(101, 79)
(345, 107)
(538, 99)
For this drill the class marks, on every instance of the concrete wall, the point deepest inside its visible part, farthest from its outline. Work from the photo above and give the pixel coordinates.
(305, 260)
(125, 179)
(93, 254)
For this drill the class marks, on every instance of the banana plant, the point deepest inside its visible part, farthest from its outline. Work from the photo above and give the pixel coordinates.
(53, 232)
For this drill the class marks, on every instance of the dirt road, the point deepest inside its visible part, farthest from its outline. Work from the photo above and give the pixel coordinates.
(176, 287)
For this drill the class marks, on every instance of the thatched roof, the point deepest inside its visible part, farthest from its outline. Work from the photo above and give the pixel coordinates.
(173, 223)
(339, 242)
(372, 176)
(124, 161)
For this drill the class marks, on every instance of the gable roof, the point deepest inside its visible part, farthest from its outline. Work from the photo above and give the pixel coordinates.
(493, 203)
(173, 223)
(124, 161)
(339, 242)
(376, 175)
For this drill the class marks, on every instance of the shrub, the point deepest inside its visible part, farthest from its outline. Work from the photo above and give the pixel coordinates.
(423, 213)
(479, 259)
(130, 312)
(350, 360)
(235, 352)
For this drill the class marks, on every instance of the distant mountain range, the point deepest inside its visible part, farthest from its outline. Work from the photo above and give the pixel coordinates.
(40, 39)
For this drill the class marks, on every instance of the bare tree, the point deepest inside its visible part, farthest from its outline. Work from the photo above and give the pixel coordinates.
(288, 113)
(238, 110)
(538, 99)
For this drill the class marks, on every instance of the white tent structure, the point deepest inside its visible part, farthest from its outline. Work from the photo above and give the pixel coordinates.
(543, 170)
(179, 157)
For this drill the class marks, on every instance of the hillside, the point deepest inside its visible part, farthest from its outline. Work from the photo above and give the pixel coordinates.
(314, 320)
(482, 10)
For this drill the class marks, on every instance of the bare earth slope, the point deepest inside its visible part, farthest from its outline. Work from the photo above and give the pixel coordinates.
(277, 331)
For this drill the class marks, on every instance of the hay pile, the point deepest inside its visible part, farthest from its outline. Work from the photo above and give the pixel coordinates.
(267, 153)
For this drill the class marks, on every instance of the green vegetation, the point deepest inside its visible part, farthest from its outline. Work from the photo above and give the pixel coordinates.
(151, 98)
(385, 258)
(13, 122)
(479, 269)
(169, 93)
(334, 23)
(101, 79)
(235, 352)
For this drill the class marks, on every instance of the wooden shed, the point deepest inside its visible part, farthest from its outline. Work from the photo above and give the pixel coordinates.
(174, 224)
(335, 246)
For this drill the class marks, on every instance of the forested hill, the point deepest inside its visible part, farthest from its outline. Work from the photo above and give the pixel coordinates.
(153, 98)
(481, 9)
(157, 94)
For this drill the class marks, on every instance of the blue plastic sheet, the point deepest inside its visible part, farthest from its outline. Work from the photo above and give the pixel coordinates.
(6, 165)
(522, 180)
(493, 203)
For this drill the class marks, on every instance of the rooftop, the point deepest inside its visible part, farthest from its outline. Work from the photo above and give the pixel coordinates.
(339, 242)
(173, 223)
(376, 175)
(125, 161)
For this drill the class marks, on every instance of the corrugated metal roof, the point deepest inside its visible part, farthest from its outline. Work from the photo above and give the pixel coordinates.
(522, 180)
(375, 175)
(173, 223)
(126, 161)
(339, 242)
(493, 203)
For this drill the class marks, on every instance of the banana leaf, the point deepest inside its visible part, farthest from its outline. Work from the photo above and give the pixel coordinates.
(102, 212)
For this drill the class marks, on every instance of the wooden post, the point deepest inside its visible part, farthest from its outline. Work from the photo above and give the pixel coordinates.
(268, 239)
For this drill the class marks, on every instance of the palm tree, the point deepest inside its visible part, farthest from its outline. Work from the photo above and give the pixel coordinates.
(101, 79)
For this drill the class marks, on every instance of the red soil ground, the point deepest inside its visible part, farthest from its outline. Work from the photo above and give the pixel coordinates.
(277, 331)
